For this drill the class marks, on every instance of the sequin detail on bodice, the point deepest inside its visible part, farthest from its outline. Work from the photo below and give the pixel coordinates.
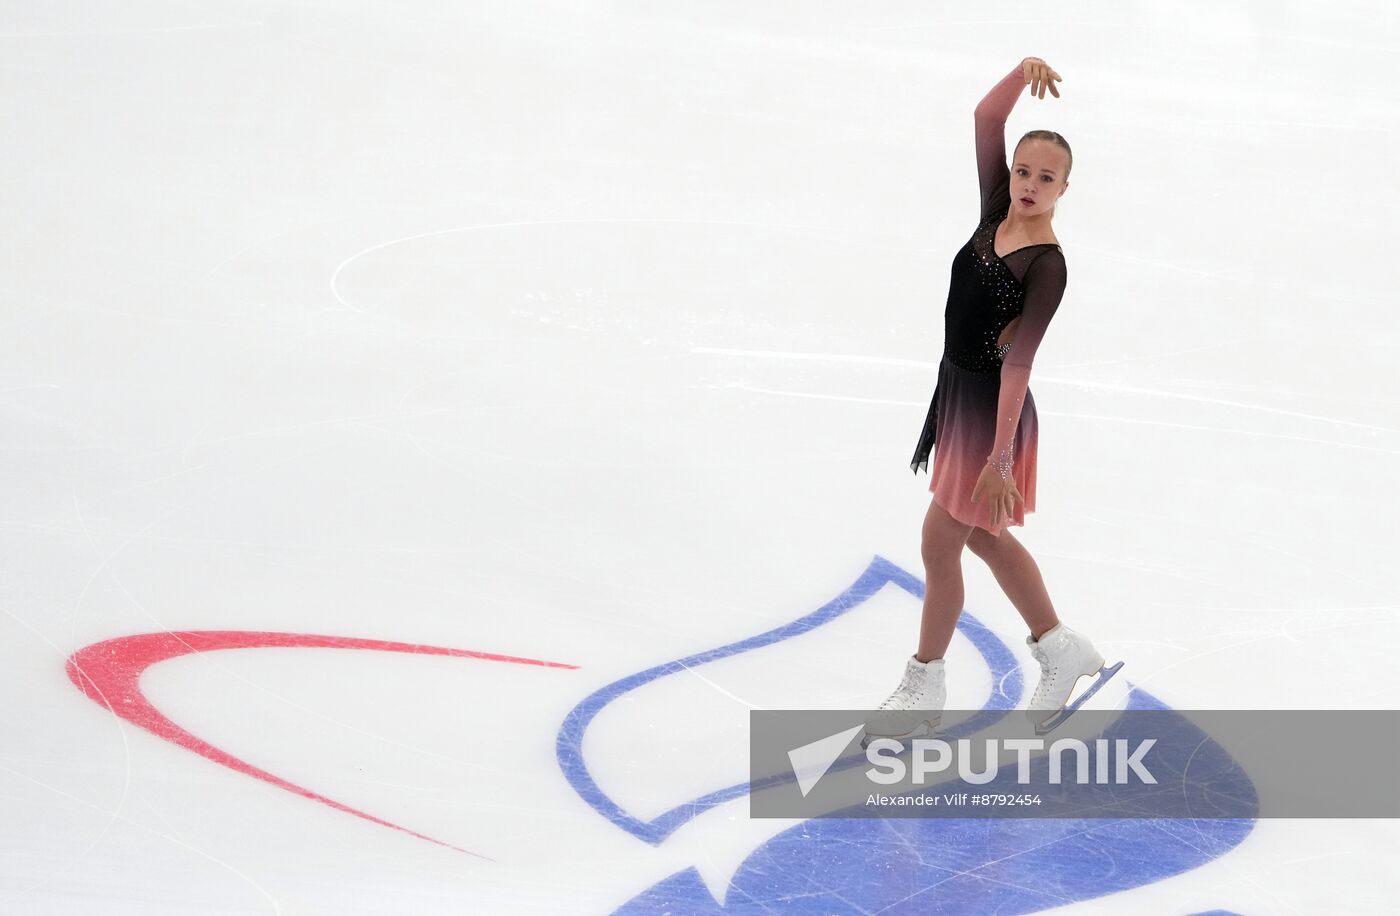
(984, 296)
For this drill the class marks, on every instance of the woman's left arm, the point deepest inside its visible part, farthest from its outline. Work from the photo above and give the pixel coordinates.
(1044, 283)
(1045, 286)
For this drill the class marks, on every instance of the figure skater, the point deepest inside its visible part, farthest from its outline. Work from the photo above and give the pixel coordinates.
(1006, 284)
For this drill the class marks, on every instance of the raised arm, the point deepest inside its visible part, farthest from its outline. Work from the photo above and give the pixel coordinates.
(1045, 286)
(989, 119)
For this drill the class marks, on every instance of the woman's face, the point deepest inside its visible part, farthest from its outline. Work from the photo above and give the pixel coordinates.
(1038, 176)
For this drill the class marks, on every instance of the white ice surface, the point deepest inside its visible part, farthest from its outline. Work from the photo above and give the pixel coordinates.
(602, 333)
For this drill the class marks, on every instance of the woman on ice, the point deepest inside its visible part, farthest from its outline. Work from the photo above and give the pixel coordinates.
(1006, 284)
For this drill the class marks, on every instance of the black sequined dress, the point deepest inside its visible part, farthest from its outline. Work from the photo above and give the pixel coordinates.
(998, 310)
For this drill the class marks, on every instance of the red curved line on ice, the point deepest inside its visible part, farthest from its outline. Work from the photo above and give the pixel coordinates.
(109, 673)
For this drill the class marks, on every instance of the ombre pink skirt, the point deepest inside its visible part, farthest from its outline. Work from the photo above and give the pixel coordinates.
(966, 404)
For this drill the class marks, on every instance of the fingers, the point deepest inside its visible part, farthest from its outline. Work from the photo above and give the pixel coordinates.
(1041, 76)
(1004, 507)
(1002, 496)
(1012, 496)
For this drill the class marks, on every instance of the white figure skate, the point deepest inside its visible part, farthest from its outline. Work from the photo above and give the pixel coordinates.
(916, 706)
(1065, 656)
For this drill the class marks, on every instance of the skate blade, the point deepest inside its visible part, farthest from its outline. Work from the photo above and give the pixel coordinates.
(924, 731)
(1056, 719)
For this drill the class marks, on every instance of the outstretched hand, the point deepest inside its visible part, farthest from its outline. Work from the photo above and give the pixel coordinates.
(1001, 494)
(1040, 75)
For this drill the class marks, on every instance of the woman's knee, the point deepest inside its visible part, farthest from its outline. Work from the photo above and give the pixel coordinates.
(985, 544)
(982, 542)
(944, 536)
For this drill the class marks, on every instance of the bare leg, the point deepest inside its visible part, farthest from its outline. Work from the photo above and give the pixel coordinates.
(1018, 575)
(943, 540)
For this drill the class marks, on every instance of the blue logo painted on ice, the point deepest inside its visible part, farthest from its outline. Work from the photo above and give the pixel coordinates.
(954, 865)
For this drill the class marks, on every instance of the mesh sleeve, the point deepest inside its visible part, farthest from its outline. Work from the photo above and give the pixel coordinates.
(989, 119)
(1044, 284)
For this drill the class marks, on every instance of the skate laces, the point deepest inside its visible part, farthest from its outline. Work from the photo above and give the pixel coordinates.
(1048, 670)
(916, 680)
(900, 698)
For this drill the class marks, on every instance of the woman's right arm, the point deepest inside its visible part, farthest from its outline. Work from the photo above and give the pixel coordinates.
(989, 119)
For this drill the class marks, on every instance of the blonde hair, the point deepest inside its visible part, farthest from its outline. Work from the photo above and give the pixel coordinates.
(1054, 138)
